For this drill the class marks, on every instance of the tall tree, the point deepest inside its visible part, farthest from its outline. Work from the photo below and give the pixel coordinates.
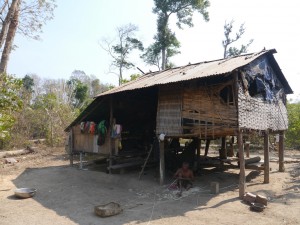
(165, 39)
(234, 51)
(26, 17)
(120, 49)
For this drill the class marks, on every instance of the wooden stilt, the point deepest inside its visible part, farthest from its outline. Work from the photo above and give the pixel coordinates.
(266, 158)
(281, 151)
(207, 146)
(247, 149)
(242, 180)
(71, 146)
(223, 152)
(230, 152)
(109, 133)
(161, 162)
(198, 152)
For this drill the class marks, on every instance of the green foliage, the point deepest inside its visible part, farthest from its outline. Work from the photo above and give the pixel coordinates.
(166, 42)
(10, 102)
(293, 133)
(132, 77)
(28, 83)
(234, 51)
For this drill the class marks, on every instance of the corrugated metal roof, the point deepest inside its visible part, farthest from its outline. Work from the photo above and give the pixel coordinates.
(189, 72)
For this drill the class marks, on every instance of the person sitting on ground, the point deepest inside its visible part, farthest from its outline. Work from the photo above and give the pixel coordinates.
(184, 177)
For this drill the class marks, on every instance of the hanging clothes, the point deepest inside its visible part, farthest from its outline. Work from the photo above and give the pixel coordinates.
(82, 127)
(102, 131)
(92, 128)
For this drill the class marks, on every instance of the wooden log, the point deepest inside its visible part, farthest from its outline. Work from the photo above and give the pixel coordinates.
(207, 146)
(15, 152)
(242, 178)
(252, 160)
(161, 162)
(266, 158)
(281, 151)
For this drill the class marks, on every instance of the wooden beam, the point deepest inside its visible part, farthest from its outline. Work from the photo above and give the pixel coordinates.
(281, 151)
(242, 179)
(207, 146)
(198, 152)
(161, 162)
(266, 158)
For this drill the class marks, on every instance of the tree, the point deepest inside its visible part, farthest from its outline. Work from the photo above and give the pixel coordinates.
(10, 102)
(292, 135)
(26, 17)
(120, 49)
(132, 78)
(165, 40)
(233, 51)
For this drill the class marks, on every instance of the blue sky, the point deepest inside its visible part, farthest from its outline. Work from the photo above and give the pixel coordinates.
(71, 40)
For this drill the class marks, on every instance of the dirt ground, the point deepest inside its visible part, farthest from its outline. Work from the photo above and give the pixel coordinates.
(67, 195)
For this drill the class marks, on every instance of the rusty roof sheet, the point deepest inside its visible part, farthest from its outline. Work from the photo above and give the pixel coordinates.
(189, 72)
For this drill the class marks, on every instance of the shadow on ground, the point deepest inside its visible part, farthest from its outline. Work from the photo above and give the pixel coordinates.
(73, 193)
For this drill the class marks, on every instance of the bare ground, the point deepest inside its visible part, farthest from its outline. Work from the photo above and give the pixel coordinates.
(67, 195)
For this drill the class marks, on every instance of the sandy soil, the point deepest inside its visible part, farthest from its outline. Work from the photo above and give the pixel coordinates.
(68, 195)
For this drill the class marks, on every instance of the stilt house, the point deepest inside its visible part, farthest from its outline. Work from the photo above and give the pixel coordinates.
(236, 96)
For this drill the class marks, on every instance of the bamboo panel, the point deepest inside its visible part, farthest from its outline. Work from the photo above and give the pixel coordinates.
(258, 114)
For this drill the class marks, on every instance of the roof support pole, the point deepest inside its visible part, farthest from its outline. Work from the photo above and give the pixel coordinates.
(198, 152)
(242, 179)
(281, 151)
(161, 162)
(109, 132)
(71, 145)
(266, 158)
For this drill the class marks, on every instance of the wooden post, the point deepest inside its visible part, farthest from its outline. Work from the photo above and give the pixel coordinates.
(242, 180)
(198, 152)
(230, 152)
(281, 151)
(109, 133)
(71, 146)
(266, 158)
(247, 149)
(207, 146)
(161, 162)
(223, 152)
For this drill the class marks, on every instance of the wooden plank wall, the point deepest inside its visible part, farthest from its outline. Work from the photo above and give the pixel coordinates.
(88, 142)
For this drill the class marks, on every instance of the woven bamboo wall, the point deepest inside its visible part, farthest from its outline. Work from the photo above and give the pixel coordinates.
(258, 114)
(207, 114)
(195, 112)
(168, 119)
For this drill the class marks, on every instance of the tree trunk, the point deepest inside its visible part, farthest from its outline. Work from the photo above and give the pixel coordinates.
(7, 20)
(163, 58)
(10, 38)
